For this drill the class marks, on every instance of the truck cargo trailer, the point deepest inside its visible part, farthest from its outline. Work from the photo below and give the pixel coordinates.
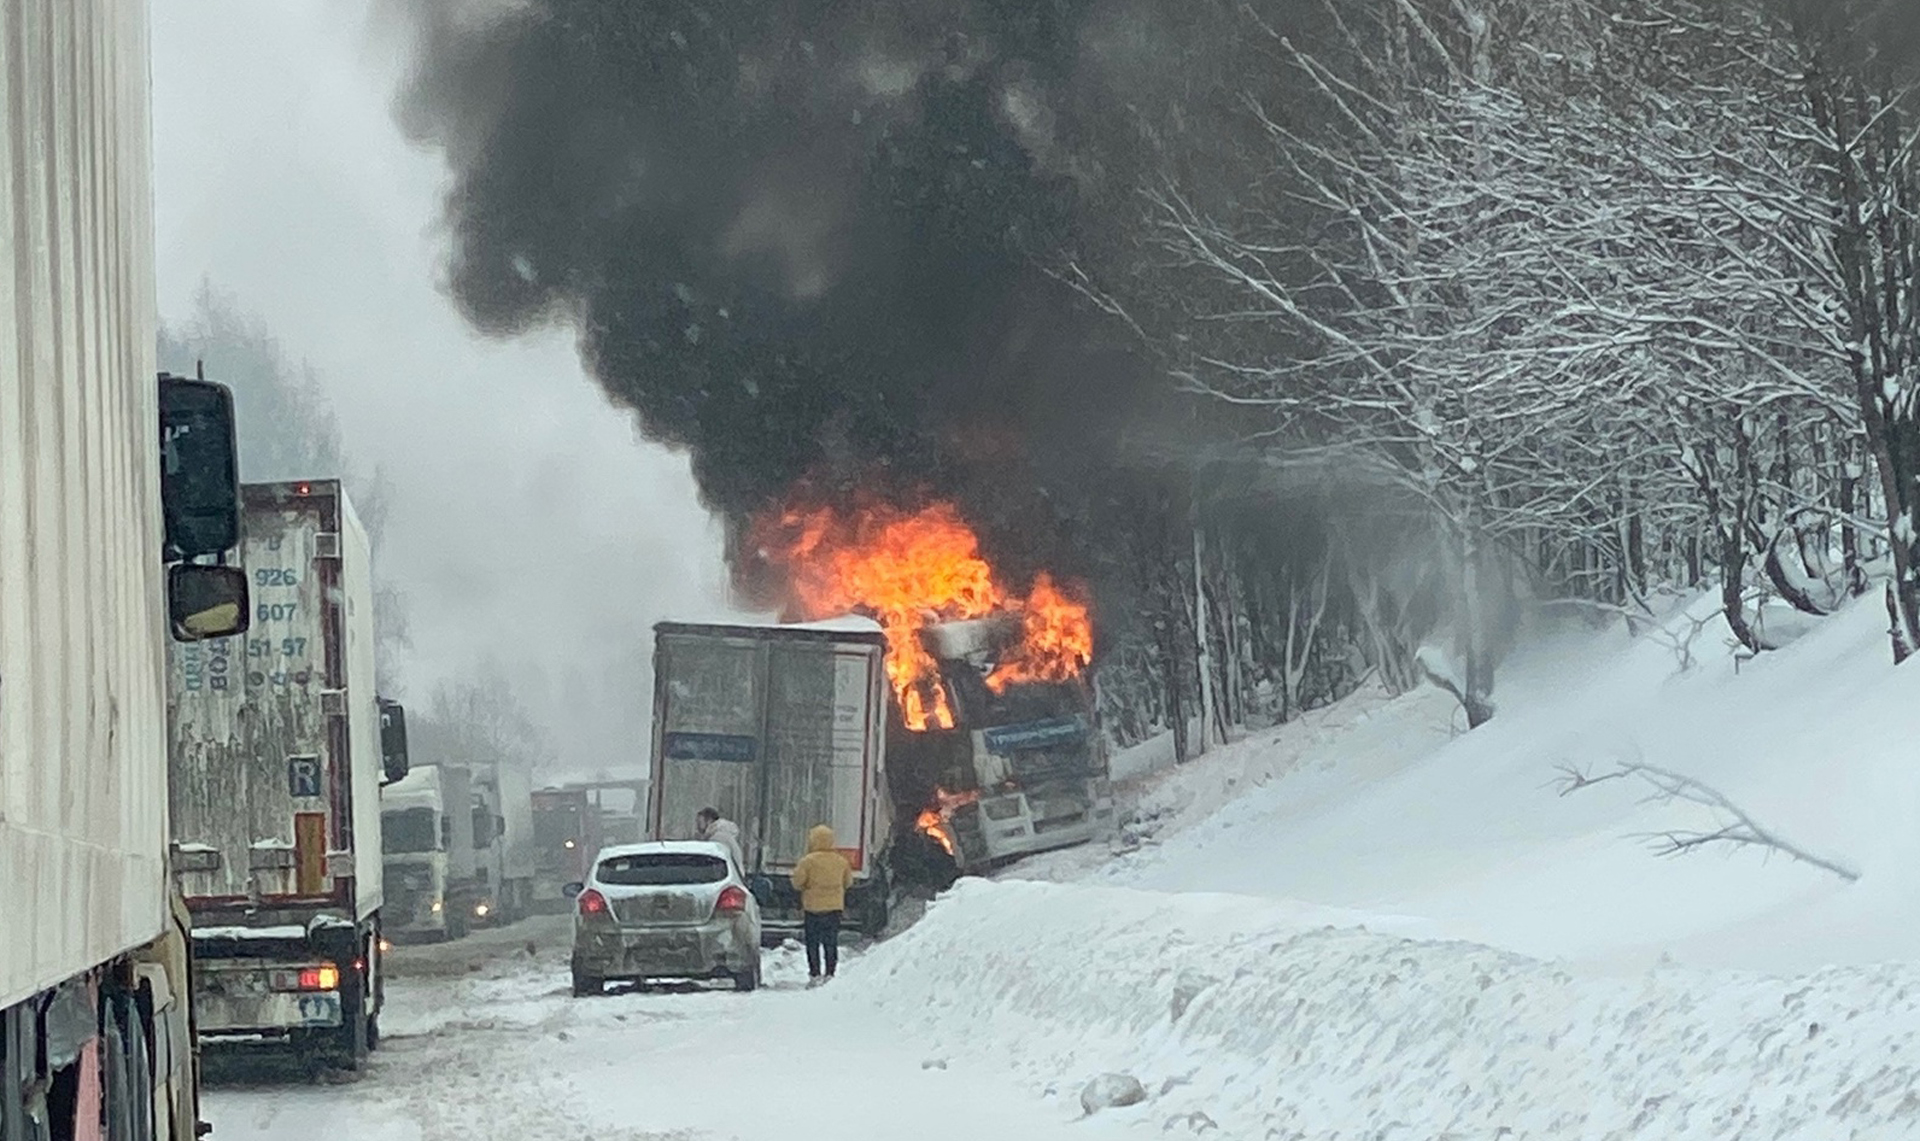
(513, 788)
(105, 476)
(277, 761)
(779, 728)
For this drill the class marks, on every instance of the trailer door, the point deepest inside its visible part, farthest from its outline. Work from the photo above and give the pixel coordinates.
(819, 737)
(706, 745)
(253, 782)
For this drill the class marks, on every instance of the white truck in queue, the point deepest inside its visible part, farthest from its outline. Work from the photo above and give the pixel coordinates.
(503, 852)
(279, 748)
(426, 837)
(106, 477)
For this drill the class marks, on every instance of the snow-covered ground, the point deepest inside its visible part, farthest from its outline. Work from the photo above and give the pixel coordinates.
(1364, 924)
(1380, 807)
(485, 1043)
(1257, 1019)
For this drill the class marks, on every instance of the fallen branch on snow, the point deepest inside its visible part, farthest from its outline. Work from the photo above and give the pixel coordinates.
(1739, 829)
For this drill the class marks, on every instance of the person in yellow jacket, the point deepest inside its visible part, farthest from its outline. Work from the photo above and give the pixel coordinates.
(822, 877)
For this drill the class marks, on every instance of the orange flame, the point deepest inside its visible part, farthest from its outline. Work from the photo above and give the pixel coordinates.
(1058, 642)
(931, 823)
(910, 569)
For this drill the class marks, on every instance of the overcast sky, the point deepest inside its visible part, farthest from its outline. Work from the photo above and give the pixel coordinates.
(529, 522)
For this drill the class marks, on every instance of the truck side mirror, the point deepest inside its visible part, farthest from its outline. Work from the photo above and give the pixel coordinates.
(199, 469)
(206, 602)
(393, 740)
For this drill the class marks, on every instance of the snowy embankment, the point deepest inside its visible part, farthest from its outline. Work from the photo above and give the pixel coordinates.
(1368, 924)
(1239, 1014)
(1377, 806)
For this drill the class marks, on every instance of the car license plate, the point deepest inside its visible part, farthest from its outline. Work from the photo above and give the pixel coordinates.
(320, 1009)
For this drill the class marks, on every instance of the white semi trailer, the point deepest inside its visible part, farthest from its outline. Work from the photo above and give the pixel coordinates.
(105, 476)
(279, 748)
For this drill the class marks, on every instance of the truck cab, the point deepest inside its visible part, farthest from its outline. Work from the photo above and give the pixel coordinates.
(566, 835)
(428, 870)
(1023, 770)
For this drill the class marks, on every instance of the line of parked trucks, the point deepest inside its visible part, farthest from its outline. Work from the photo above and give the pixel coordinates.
(192, 750)
(208, 824)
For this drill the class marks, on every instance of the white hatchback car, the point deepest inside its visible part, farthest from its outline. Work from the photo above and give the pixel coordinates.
(667, 909)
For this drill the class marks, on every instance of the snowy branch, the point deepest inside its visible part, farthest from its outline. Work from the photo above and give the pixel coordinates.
(1735, 825)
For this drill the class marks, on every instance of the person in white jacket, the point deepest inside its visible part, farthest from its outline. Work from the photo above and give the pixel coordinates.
(710, 825)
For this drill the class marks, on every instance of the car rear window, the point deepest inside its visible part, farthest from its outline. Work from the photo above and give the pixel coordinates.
(661, 869)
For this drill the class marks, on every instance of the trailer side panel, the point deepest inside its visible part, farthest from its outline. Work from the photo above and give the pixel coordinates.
(83, 821)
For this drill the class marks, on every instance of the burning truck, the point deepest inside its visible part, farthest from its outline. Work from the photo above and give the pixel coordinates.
(1020, 768)
(908, 696)
(995, 751)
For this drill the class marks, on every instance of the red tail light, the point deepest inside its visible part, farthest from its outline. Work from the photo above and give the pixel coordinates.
(592, 903)
(732, 901)
(325, 976)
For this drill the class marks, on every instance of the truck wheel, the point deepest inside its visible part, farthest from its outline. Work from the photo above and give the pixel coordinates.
(747, 980)
(878, 909)
(586, 986)
(373, 1033)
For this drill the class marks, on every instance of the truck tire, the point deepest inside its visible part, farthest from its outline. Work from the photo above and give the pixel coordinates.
(877, 908)
(586, 986)
(748, 980)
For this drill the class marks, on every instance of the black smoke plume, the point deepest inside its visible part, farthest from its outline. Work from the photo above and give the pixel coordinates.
(807, 240)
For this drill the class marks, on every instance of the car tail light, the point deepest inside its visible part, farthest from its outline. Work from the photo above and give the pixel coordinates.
(592, 903)
(732, 901)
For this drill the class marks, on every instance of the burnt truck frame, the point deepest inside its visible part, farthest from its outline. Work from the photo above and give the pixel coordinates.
(780, 728)
(279, 747)
(1024, 769)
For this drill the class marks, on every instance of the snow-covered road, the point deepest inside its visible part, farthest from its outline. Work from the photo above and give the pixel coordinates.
(484, 1043)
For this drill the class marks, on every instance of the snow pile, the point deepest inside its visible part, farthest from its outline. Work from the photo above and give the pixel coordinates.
(1379, 807)
(1237, 1015)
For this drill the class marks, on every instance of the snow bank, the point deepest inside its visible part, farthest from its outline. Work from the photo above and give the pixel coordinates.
(1238, 1015)
(1383, 806)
